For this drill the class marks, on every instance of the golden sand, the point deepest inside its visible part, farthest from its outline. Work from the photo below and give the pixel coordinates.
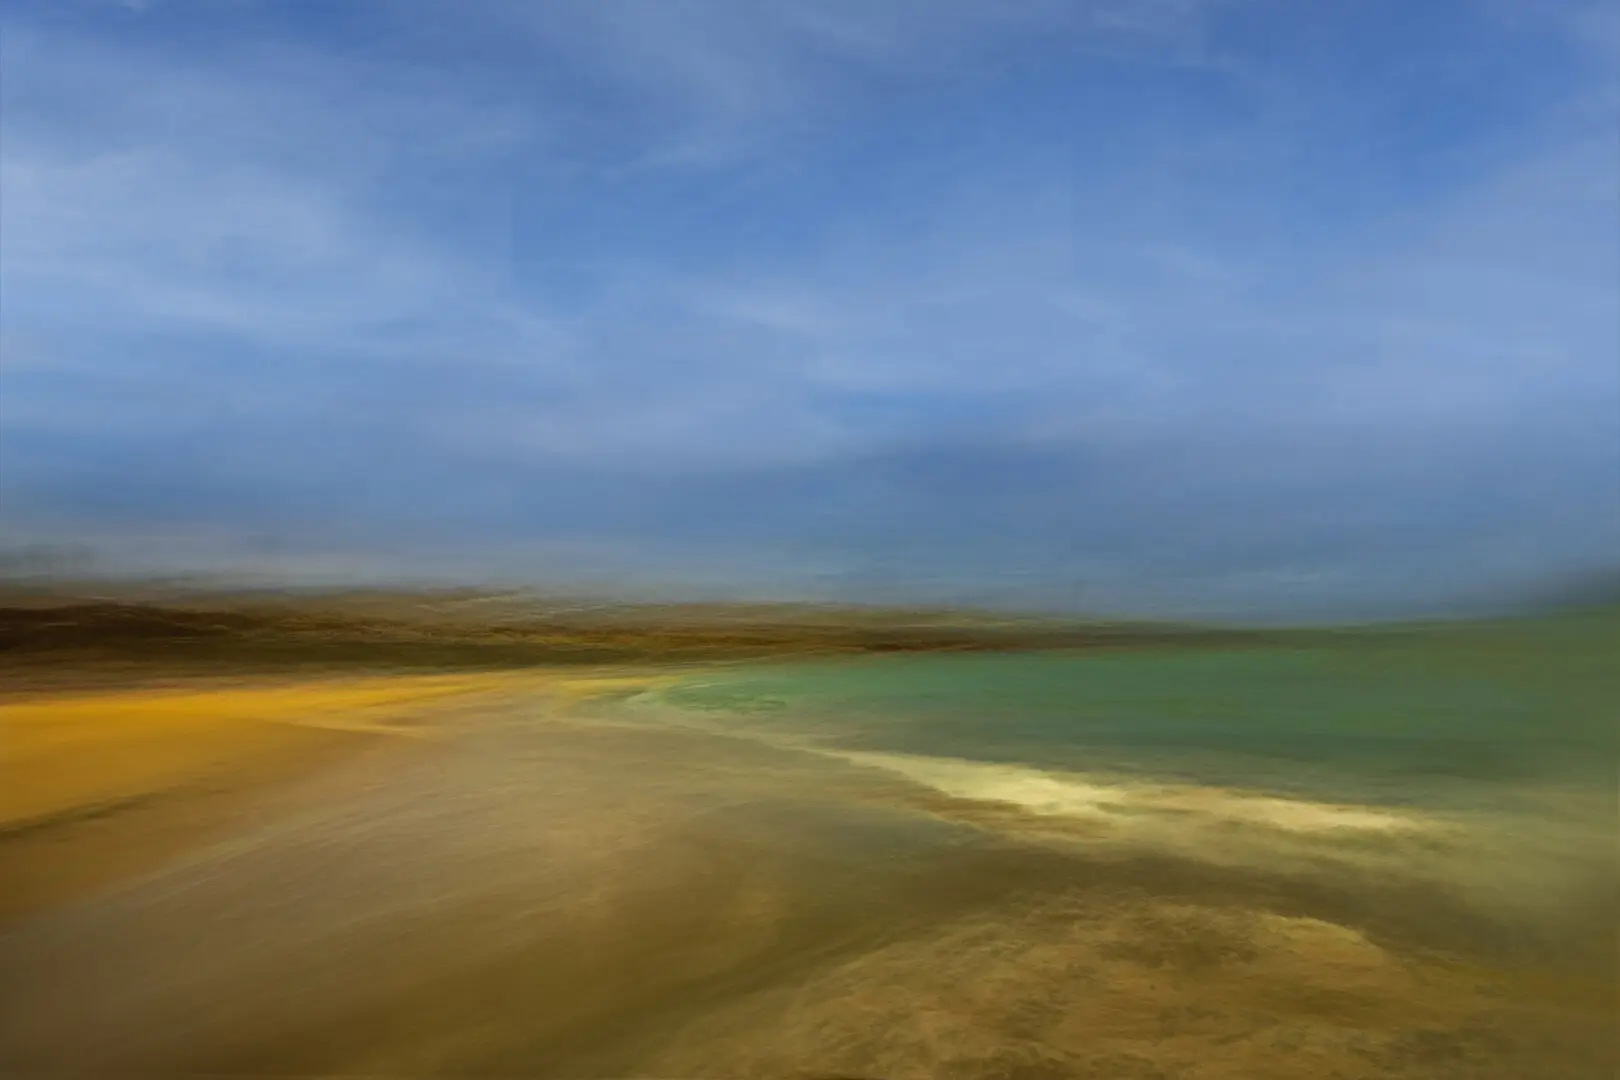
(101, 787)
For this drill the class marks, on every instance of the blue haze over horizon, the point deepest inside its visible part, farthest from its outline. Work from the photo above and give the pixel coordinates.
(1173, 306)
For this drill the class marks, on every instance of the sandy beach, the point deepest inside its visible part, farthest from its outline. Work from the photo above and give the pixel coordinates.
(512, 876)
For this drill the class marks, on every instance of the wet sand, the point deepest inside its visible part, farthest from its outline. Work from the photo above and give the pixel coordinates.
(549, 886)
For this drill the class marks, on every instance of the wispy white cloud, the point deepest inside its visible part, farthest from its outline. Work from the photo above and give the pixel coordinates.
(714, 82)
(521, 272)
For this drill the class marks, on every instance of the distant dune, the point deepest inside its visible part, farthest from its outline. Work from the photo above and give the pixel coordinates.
(81, 625)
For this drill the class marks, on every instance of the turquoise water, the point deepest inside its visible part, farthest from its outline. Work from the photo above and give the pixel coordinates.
(1385, 771)
(1377, 718)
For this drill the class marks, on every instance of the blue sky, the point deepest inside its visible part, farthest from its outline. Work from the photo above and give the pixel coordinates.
(1200, 306)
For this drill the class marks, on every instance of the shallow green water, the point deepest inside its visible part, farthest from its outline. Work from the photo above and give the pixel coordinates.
(1510, 702)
